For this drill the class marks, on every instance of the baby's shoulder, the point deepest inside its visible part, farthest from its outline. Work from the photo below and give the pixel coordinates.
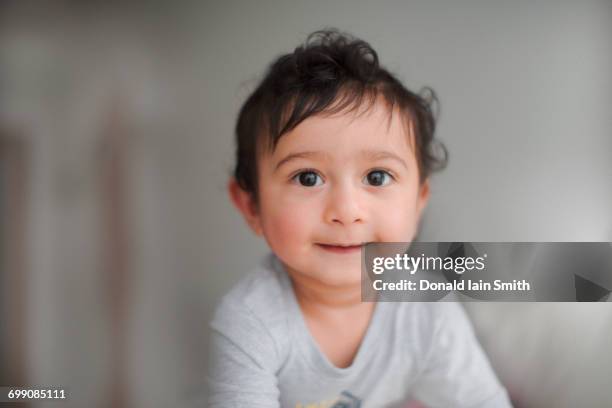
(260, 290)
(421, 322)
(428, 314)
(251, 320)
(257, 301)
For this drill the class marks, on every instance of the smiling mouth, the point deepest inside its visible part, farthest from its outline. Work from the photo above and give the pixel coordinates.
(341, 248)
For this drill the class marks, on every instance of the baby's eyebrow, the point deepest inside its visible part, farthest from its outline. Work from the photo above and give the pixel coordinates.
(371, 155)
(383, 154)
(302, 155)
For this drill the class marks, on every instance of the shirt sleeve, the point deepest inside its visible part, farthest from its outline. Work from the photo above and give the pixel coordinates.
(242, 361)
(457, 372)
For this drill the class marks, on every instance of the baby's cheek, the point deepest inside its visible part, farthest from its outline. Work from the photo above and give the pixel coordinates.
(286, 231)
(397, 222)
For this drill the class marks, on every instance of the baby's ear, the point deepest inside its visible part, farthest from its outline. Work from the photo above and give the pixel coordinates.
(245, 203)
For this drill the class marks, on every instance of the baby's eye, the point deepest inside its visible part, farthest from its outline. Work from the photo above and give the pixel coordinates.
(377, 178)
(308, 179)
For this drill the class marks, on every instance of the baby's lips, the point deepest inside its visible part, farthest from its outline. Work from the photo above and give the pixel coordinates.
(341, 249)
(341, 245)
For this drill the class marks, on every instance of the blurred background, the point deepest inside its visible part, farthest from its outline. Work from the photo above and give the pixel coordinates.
(117, 237)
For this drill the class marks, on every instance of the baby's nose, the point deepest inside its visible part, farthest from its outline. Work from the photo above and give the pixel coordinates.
(344, 206)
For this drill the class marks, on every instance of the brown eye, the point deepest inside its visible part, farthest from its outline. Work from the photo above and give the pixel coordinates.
(378, 178)
(308, 179)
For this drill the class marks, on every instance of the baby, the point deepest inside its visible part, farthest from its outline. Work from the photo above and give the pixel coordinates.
(333, 153)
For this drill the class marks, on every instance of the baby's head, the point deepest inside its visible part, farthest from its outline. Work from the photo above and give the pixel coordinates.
(333, 152)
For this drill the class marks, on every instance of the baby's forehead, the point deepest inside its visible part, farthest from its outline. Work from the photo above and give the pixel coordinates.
(345, 139)
(369, 127)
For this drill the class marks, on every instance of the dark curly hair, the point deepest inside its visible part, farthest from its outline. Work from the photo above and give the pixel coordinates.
(331, 72)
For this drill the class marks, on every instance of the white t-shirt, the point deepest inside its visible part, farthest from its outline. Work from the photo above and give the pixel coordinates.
(262, 354)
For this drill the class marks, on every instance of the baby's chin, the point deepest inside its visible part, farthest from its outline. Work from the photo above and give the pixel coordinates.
(335, 275)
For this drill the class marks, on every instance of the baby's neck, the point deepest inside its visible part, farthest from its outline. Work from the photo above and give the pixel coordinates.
(336, 318)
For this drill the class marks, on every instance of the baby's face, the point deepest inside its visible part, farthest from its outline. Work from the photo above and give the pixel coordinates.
(335, 183)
